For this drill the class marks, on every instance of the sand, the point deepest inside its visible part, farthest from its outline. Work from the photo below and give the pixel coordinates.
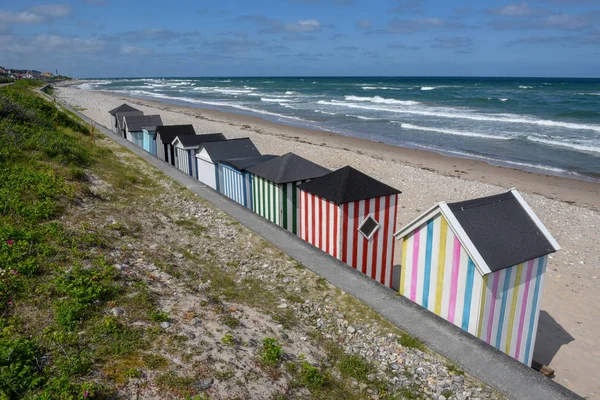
(569, 326)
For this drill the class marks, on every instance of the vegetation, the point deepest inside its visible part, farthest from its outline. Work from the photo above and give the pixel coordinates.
(271, 352)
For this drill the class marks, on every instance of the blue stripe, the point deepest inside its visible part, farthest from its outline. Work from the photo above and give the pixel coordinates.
(427, 272)
(468, 294)
(507, 274)
(534, 311)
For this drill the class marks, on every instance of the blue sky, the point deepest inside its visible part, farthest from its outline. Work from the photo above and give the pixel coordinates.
(110, 38)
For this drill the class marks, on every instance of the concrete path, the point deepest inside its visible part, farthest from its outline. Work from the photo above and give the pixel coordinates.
(478, 359)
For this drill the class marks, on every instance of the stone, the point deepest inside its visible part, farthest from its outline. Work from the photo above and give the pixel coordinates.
(117, 311)
(178, 255)
(282, 305)
(204, 384)
(165, 324)
(351, 329)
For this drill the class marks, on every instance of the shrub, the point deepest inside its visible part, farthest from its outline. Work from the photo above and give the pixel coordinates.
(310, 376)
(19, 369)
(271, 352)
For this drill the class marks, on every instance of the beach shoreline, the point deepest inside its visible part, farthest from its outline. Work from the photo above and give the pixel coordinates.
(570, 209)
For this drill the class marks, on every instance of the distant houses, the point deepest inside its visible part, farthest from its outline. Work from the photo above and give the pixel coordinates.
(479, 264)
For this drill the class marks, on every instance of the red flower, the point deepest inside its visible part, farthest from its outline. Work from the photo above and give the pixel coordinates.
(12, 271)
(10, 242)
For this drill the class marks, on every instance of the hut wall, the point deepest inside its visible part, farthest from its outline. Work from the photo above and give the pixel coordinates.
(320, 223)
(160, 148)
(266, 199)
(439, 275)
(184, 161)
(236, 185)
(290, 201)
(510, 308)
(207, 172)
(373, 257)
(137, 138)
(148, 142)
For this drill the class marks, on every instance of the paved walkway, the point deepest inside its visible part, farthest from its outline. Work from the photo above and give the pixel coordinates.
(478, 359)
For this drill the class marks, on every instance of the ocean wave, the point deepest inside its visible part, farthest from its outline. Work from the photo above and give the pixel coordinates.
(502, 99)
(381, 88)
(225, 81)
(325, 112)
(233, 91)
(427, 87)
(363, 117)
(455, 114)
(381, 100)
(451, 131)
(290, 92)
(590, 94)
(274, 100)
(574, 146)
(525, 87)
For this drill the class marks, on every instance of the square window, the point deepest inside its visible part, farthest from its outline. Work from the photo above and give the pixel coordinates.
(368, 227)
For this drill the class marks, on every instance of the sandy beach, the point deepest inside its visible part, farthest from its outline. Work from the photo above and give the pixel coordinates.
(567, 340)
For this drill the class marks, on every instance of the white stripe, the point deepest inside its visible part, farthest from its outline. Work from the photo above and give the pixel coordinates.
(381, 239)
(475, 303)
(371, 243)
(410, 242)
(460, 289)
(421, 263)
(435, 252)
(447, 273)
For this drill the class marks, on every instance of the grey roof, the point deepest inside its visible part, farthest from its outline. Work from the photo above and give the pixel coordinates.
(501, 230)
(122, 108)
(169, 132)
(227, 149)
(347, 185)
(121, 114)
(244, 163)
(289, 168)
(138, 122)
(197, 140)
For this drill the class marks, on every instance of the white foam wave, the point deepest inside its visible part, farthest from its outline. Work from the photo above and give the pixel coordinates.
(290, 92)
(451, 131)
(502, 99)
(525, 87)
(590, 94)
(325, 112)
(274, 100)
(382, 100)
(456, 114)
(227, 80)
(574, 146)
(427, 87)
(362, 117)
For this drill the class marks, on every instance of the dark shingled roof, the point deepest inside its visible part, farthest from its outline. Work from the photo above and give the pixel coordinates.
(197, 140)
(227, 149)
(119, 116)
(501, 230)
(289, 168)
(122, 108)
(138, 122)
(347, 185)
(168, 133)
(243, 163)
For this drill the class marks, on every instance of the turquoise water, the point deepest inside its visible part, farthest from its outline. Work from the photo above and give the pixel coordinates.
(543, 124)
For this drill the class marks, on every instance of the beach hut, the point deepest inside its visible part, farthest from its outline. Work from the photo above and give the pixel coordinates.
(185, 147)
(113, 115)
(164, 136)
(235, 181)
(135, 124)
(480, 265)
(352, 217)
(149, 144)
(120, 117)
(274, 188)
(212, 153)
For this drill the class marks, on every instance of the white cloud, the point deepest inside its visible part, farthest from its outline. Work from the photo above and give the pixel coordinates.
(23, 17)
(35, 14)
(364, 24)
(304, 25)
(50, 44)
(134, 51)
(513, 10)
(51, 10)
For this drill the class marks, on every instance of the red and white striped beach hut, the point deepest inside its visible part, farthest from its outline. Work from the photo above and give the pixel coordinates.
(352, 217)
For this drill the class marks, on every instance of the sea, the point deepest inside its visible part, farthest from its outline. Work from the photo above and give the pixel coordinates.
(549, 125)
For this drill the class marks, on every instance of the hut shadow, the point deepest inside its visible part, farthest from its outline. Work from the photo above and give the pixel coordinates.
(550, 338)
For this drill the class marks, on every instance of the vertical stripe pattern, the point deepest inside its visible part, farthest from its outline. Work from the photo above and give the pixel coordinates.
(334, 229)
(510, 308)
(439, 275)
(266, 199)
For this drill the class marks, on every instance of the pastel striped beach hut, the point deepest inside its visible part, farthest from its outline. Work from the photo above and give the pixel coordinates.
(185, 148)
(480, 265)
(113, 115)
(135, 124)
(164, 136)
(274, 188)
(212, 153)
(148, 142)
(235, 181)
(352, 217)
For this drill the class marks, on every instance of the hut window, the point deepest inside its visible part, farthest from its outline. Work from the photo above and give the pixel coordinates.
(368, 227)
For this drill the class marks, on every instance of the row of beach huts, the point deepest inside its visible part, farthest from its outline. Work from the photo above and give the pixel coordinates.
(479, 264)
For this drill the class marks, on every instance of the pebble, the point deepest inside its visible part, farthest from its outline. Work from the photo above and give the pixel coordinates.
(204, 384)
(178, 255)
(117, 311)
(165, 324)
(351, 329)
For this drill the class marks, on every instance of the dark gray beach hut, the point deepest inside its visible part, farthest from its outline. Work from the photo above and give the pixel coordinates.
(113, 115)
(185, 147)
(135, 125)
(164, 136)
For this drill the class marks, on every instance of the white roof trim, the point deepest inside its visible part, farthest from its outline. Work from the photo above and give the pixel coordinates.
(535, 219)
(426, 216)
(464, 239)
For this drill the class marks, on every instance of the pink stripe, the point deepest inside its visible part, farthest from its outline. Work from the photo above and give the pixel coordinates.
(524, 308)
(490, 321)
(415, 266)
(454, 281)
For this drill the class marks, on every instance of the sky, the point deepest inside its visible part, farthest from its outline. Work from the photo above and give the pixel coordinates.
(130, 38)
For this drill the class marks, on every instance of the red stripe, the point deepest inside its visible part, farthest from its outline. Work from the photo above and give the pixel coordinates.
(320, 221)
(327, 226)
(345, 234)
(312, 216)
(335, 230)
(394, 222)
(386, 220)
(375, 244)
(355, 235)
(364, 239)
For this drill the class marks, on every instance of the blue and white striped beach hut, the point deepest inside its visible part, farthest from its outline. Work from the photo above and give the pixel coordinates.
(235, 181)
(148, 142)
(185, 148)
(135, 124)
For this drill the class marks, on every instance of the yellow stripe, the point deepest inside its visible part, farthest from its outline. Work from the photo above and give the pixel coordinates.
(403, 266)
(513, 307)
(439, 291)
(484, 289)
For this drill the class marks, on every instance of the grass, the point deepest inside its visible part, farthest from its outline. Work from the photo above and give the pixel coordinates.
(406, 340)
